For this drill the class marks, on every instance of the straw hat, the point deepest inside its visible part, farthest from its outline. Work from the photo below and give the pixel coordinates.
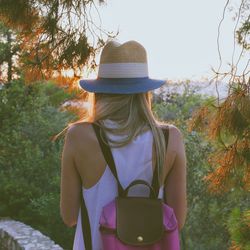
(123, 69)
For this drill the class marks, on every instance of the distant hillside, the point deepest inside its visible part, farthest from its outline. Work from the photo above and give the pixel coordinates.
(203, 88)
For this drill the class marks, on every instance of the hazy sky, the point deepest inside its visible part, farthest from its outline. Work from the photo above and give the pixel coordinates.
(179, 35)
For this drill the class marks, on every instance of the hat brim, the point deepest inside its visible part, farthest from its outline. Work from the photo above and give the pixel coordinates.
(121, 85)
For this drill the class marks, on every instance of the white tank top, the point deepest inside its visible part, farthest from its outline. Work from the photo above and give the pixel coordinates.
(133, 161)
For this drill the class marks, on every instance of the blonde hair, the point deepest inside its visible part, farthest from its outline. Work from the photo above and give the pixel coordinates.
(133, 115)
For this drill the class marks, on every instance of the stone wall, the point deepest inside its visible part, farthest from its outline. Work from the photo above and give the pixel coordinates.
(15, 235)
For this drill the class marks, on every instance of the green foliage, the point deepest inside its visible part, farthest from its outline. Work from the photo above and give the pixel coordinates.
(30, 167)
(243, 32)
(29, 160)
(203, 210)
(47, 211)
(239, 227)
(207, 215)
(175, 106)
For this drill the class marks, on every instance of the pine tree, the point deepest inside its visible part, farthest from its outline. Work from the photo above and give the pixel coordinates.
(227, 124)
(54, 35)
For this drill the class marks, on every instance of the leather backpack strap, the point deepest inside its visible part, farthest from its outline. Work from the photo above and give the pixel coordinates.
(166, 134)
(85, 225)
(108, 156)
(155, 181)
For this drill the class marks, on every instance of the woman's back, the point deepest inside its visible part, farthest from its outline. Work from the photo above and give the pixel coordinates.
(127, 100)
(133, 161)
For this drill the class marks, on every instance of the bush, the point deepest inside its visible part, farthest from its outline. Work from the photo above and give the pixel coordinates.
(238, 225)
(30, 167)
(29, 161)
(207, 222)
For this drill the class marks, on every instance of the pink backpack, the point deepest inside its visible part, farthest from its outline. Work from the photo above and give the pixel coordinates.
(133, 223)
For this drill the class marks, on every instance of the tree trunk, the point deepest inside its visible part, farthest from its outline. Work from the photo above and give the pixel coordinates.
(10, 63)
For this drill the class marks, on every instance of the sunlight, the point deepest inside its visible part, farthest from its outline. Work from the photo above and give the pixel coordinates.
(68, 73)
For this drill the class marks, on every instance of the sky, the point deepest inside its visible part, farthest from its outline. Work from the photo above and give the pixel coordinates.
(180, 36)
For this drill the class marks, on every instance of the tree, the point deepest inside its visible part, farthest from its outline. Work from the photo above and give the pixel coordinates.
(227, 124)
(54, 35)
(204, 208)
(8, 51)
(29, 161)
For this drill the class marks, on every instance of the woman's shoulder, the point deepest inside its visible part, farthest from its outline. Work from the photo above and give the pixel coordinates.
(79, 131)
(173, 129)
(175, 136)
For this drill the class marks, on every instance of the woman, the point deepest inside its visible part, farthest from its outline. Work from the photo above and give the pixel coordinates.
(120, 101)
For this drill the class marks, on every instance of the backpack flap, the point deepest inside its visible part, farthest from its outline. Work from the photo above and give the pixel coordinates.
(139, 220)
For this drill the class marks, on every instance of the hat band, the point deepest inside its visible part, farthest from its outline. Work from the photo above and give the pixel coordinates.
(123, 70)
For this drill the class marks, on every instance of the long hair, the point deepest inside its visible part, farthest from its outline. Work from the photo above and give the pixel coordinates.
(133, 115)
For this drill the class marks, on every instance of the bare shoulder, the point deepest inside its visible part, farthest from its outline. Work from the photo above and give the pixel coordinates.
(78, 131)
(173, 130)
(175, 137)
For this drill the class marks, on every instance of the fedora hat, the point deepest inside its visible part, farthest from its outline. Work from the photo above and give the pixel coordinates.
(123, 69)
